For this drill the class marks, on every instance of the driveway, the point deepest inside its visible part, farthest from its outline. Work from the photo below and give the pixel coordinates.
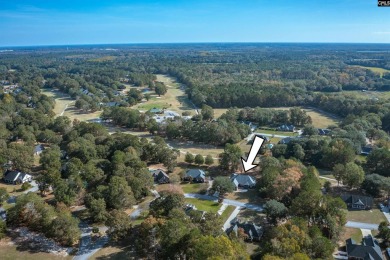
(386, 212)
(88, 247)
(362, 225)
(235, 203)
(34, 187)
(234, 214)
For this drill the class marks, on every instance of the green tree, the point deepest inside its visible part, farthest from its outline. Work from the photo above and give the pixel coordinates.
(299, 152)
(119, 194)
(51, 158)
(189, 158)
(209, 160)
(160, 88)
(3, 229)
(231, 157)
(4, 196)
(119, 225)
(167, 201)
(199, 160)
(65, 230)
(207, 112)
(97, 209)
(222, 185)
(275, 211)
(353, 176)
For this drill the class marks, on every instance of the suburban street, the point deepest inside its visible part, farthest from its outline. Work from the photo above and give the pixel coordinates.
(87, 246)
(361, 225)
(235, 203)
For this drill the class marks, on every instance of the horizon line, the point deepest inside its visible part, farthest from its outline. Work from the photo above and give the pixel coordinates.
(162, 43)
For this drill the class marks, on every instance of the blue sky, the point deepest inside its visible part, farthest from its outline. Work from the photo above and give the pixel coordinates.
(100, 21)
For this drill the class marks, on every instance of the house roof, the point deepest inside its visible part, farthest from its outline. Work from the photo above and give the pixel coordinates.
(242, 179)
(38, 148)
(358, 200)
(250, 229)
(369, 249)
(12, 176)
(195, 174)
(159, 174)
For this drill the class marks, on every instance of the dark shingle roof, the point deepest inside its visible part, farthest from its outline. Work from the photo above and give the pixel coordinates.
(358, 200)
(242, 179)
(369, 249)
(195, 173)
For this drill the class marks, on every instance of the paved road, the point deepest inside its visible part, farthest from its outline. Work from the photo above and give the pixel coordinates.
(250, 137)
(386, 212)
(87, 246)
(234, 214)
(362, 225)
(236, 203)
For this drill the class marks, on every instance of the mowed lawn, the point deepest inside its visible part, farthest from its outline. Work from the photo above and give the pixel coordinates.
(175, 99)
(204, 205)
(62, 100)
(379, 71)
(367, 216)
(275, 132)
(319, 119)
(194, 187)
(228, 211)
(12, 252)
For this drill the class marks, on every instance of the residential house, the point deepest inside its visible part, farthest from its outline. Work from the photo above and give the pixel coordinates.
(112, 104)
(243, 181)
(195, 175)
(286, 140)
(16, 177)
(368, 250)
(193, 212)
(366, 150)
(323, 131)
(286, 128)
(357, 202)
(265, 138)
(38, 149)
(160, 176)
(252, 231)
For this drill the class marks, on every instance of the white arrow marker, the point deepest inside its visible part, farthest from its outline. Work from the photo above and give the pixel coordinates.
(248, 164)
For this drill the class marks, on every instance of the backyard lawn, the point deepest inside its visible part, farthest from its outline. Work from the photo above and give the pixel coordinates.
(366, 216)
(194, 187)
(204, 205)
(12, 252)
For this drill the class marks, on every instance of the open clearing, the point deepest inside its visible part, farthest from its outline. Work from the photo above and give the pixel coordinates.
(175, 99)
(62, 100)
(12, 252)
(202, 149)
(114, 252)
(367, 216)
(354, 233)
(377, 70)
(320, 119)
(357, 94)
(204, 205)
(194, 187)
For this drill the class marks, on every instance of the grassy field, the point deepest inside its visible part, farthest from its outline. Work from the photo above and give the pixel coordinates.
(204, 205)
(175, 99)
(228, 211)
(367, 216)
(193, 148)
(12, 252)
(62, 100)
(114, 253)
(219, 111)
(320, 119)
(357, 94)
(194, 187)
(73, 113)
(376, 70)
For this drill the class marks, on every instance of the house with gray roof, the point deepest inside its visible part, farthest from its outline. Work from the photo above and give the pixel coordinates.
(243, 181)
(16, 177)
(368, 250)
(156, 110)
(160, 176)
(252, 231)
(357, 202)
(38, 149)
(195, 175)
